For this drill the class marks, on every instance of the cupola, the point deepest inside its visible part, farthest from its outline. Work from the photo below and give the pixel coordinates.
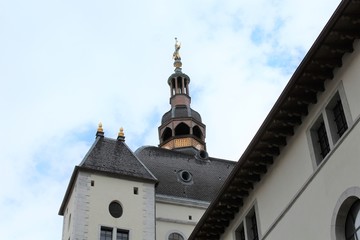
(181, 127)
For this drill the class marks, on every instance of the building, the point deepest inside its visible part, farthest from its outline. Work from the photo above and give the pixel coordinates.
(299, 177)
(152, 193)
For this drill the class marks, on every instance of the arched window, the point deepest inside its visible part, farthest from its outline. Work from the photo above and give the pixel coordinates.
(175, 236)
(182, 129)
(345, 222)
(352, 224)
(166, 134)
(197, 132)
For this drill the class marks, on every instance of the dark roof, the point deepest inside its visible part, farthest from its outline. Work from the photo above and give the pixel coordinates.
(307, 82)
(207, 175)
(114, 157)
(110, 157)
(181, 111)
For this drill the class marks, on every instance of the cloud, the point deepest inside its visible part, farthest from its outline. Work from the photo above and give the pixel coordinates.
(66, 65)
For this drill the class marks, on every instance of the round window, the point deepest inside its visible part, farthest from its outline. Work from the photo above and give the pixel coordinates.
(115, 209)
(185, 176)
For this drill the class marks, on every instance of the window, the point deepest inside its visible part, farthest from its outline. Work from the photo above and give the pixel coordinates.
(320, 140)
(352, 224)
(240, 233)
(175, 236)
(329, 127)
(106, 233)
(345, 222)
(122, 235)
(252, 229)
(115, 209)
(337, 119)
(323, 140)
(248, 229)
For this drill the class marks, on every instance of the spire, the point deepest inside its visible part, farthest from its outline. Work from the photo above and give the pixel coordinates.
(181, 127)
(176, 56)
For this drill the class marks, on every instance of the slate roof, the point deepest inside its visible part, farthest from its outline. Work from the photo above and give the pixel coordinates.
(110, 157)
(307, 82)
(208, 175)
(114, 157)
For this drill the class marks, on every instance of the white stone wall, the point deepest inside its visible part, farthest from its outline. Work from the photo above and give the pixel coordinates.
(296, 198)
(172, 215)
(89, 208)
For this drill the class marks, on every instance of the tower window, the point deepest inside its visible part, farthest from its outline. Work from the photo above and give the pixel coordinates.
(182, 129)
(197, 132)
(180, 85)
(136, 190)
(167, 134)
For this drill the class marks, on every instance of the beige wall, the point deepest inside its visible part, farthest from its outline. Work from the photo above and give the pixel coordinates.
(172, 216)
(296, 198)
(89, 207)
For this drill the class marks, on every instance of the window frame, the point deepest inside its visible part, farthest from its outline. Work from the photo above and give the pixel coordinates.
(114, 232)
(175, 232)
(327, 116)
(341, 210)
(106, 230)
(246, 229)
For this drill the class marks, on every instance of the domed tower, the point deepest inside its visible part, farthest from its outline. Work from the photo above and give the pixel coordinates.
(181, 127)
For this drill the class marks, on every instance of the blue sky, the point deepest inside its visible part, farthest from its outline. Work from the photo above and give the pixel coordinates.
(67, 65)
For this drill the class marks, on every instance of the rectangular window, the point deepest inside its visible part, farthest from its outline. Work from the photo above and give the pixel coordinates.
(323, 140)
(253, 231)
(331, 125)
(339, 118)
(106, 233)
(248, 229)
(240, 232)
(122, 235)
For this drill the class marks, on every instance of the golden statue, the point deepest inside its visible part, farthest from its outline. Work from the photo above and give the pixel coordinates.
(176, 54)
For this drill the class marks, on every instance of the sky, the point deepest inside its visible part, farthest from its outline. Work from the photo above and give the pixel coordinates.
(66, 65)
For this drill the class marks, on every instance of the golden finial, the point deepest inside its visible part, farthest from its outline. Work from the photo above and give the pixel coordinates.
(100, 129)
(121, 135)
(121, 132)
